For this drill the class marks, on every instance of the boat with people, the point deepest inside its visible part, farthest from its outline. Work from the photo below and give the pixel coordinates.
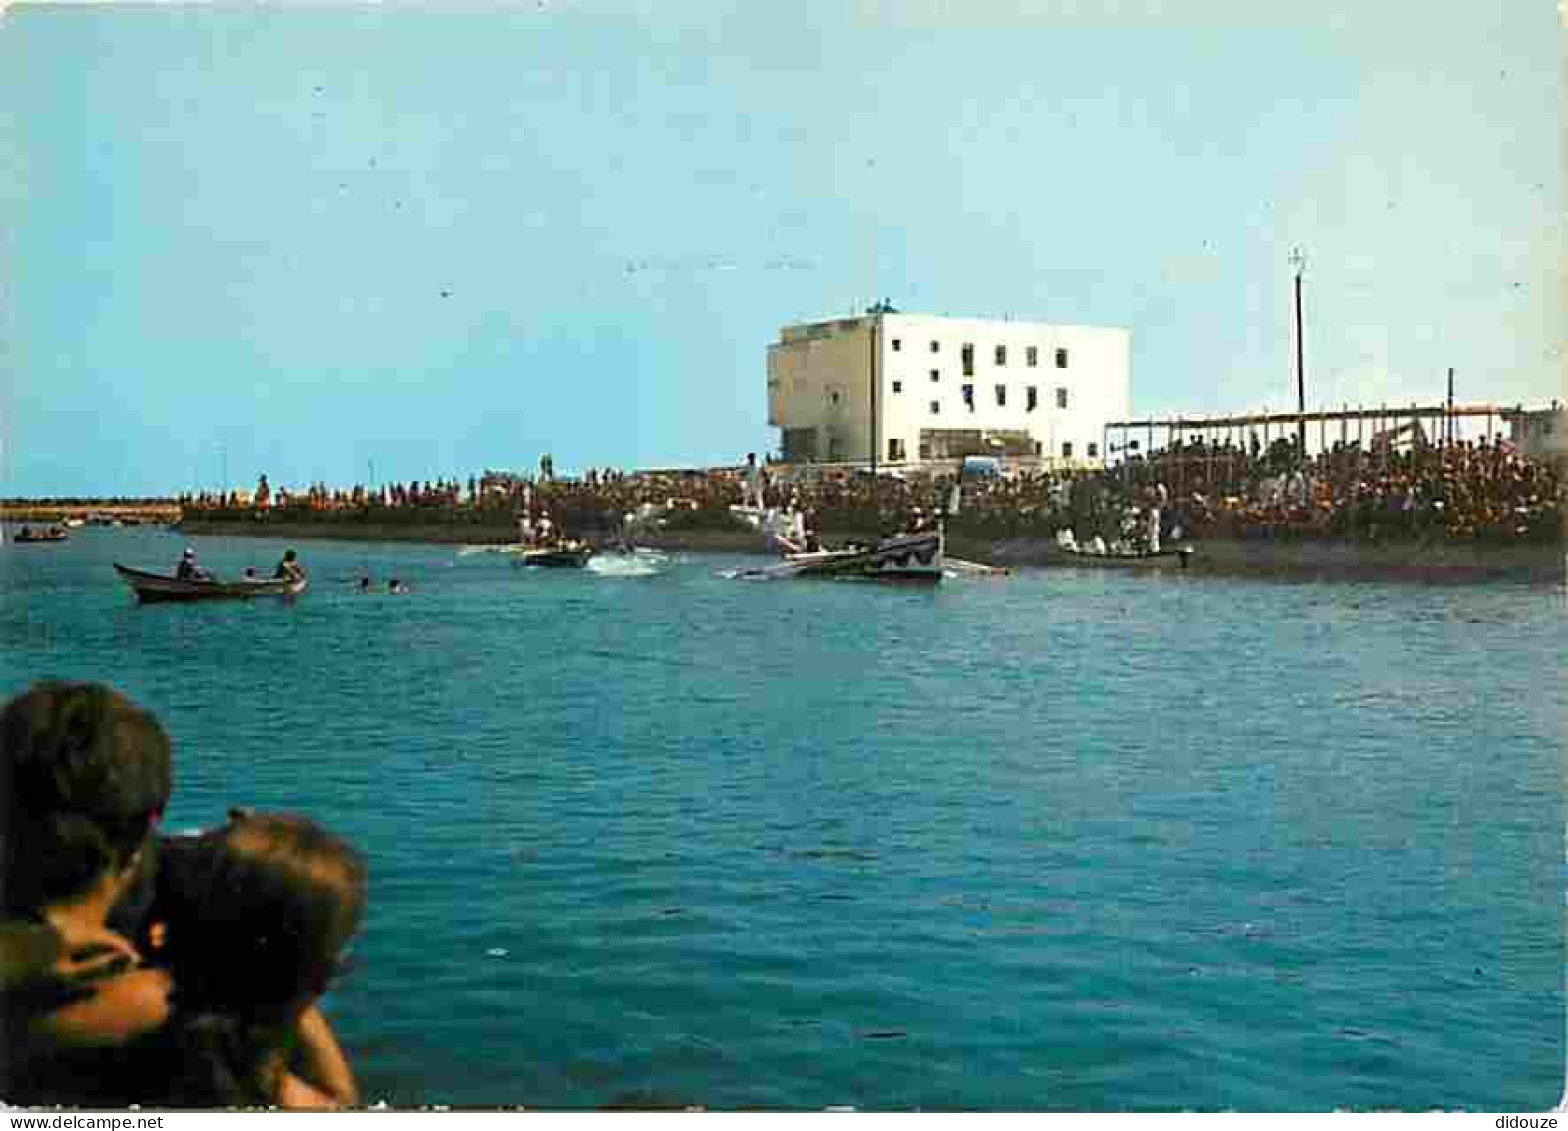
(908, 559)
(28, 535)
(1177, 556)
(542, 544)
(916, 556)
(1133, 553)
(565, 555)
(155, 587)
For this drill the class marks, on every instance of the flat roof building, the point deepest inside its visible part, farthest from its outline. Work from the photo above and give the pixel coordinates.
(1540, 433)
(946, 388)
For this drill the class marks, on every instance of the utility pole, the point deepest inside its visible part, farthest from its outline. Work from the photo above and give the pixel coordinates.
(1448, 432)
(1299, 262)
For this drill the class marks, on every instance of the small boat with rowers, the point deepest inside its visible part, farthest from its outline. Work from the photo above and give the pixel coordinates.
(1131, 554)
(28, 535)
(197, 585)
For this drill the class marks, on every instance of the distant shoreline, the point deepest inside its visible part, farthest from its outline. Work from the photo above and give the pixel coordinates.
(1329, 560)
(55, 512)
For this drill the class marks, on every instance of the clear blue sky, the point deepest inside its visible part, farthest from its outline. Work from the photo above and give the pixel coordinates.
(301, 238)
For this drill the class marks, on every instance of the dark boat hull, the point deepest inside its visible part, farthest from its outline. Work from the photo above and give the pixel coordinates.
(908, 560)
(1165, 559)
(556, 559)
(151, 588)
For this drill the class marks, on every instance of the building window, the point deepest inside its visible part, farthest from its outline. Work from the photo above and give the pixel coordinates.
(1032, 356)
(1033, 398)
(936, 408)
(897, 345)
(1061, 359)
(968, 355)
(898, 386)
(833, 397)
(1061, 398)
(1001, 355)
(969, 397)
(1094, 451)
(935, 374)
(895, 450)
(1001, 396)
(1067, 450)
(936, 346)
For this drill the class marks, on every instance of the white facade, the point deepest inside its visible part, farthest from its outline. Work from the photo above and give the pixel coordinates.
(1540, 434)
(945, 388)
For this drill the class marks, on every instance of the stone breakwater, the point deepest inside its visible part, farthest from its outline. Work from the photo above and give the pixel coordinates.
(1431, 562)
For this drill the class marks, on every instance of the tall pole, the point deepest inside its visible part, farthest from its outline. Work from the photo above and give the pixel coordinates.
(1448, 432)
(1299, 262)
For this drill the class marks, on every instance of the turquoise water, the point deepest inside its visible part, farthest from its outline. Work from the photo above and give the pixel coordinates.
(1062, 840)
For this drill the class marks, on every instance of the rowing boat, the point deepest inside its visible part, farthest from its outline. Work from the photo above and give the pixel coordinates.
(26, 536)
(151, 587)
(1177, 556)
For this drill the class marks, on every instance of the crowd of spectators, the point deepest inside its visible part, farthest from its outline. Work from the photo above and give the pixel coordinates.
(1473, 489)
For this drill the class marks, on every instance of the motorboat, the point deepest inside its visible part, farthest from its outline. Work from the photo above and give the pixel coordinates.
(567, 556)
(910, 559)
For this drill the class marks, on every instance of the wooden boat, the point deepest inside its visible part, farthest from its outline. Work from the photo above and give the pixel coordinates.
(908, 559)
(27, 535)
(557, 557)
(151, 587)
(1176, 556)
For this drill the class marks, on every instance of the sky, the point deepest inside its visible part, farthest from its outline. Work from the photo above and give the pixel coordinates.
(355, 243)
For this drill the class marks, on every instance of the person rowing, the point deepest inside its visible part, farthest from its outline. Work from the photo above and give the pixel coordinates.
(188, 570)
(289, 568)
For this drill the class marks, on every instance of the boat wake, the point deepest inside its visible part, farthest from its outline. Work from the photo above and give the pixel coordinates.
(643, 563)
(469, 551)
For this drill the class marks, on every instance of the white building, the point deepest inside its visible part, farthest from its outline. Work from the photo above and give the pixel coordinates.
(1540, 433)
(946, 388)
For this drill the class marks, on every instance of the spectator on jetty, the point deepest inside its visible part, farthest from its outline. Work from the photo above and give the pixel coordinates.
(753, 496)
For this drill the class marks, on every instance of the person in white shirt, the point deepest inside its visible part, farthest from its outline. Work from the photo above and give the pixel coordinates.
(753, 495)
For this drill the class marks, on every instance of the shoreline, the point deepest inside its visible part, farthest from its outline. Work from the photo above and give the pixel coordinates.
(1425, 563)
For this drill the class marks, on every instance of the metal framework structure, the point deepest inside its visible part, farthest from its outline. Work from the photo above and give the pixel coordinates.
(1389, 424)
